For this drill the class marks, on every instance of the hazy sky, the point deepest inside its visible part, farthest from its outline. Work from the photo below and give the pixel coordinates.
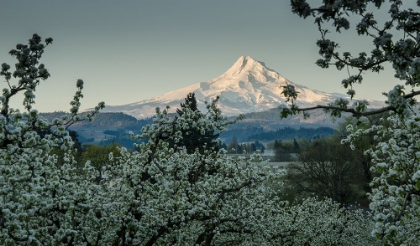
(127, 51)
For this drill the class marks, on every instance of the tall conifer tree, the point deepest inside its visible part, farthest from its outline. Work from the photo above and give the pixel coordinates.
(193, 139)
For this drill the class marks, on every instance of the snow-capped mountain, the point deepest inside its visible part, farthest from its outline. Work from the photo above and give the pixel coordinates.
(248, 86)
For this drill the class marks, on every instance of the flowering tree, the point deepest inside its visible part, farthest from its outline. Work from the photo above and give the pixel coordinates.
(38, 198)
(322, 222)
(395, 190)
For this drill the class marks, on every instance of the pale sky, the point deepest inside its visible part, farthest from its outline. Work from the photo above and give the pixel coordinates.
(127, 51)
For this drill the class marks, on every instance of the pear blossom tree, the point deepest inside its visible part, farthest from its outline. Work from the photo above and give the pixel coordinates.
(38, 198)
(322, 222)
(395, 195)
(395, 188)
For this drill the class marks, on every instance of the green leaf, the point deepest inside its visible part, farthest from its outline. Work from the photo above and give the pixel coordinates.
(418, 185)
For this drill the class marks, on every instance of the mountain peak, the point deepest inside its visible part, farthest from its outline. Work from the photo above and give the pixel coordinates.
(246, 59)
(245, 63)
(247, 68)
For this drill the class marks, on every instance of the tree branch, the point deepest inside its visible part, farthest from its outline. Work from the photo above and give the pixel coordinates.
(356, 113)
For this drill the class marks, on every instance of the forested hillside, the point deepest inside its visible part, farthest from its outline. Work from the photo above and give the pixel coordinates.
(108, 128)
(116, 119)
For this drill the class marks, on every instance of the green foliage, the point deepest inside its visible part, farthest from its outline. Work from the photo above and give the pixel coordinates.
(242, 131)
(98, 155)
(296, 146)
(259, 146)
(98, 158)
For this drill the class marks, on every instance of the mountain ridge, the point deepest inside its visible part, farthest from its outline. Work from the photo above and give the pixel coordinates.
(247, 86)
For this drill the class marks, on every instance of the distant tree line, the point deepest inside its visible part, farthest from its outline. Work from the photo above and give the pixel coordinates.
(234, 147)
(241, 131)
(288, 133)
(284, 150)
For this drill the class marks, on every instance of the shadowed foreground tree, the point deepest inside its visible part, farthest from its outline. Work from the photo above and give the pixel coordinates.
(325, 168)
(364, 143)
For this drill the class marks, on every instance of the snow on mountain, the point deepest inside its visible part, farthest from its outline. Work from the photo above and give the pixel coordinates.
(248, 86)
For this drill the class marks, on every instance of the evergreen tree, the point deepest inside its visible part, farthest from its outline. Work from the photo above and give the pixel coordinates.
(277, 144)
(190, 102)
(234, 145)
(296, 146)
(193, 139)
